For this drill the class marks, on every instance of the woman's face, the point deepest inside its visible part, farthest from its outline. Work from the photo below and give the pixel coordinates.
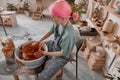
(56, 19)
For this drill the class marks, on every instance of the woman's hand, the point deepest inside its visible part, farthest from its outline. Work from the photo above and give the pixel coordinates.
(41, 45)
(38, 54)
(45, 53)
(52, 53)
(35, 44)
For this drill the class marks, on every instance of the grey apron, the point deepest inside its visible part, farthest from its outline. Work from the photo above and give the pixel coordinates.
(54, 45)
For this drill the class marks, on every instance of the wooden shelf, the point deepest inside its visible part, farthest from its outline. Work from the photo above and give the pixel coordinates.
(92, 24)
(107, 40)
(99, 29)
(101, 34)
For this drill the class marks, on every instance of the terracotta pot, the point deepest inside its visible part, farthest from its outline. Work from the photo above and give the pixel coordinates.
(108, 26)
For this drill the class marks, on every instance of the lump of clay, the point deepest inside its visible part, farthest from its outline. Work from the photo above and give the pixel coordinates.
(8, 47)
(31, 52)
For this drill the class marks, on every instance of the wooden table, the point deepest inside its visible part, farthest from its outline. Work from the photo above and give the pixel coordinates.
(38, 10)
(25, 71)
(9, 18)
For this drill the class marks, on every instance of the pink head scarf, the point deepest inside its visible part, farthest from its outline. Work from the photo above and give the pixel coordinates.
(62, 9)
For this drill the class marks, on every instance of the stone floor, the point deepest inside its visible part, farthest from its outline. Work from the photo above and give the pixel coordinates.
(28, 28)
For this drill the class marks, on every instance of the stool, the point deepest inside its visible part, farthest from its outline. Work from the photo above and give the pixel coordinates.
(23, 70)
(9, 18)
(37, 16)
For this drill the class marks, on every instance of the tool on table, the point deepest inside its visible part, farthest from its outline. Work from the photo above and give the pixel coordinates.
(3, 27)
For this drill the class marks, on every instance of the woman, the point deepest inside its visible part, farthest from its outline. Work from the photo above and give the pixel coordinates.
(60, 49)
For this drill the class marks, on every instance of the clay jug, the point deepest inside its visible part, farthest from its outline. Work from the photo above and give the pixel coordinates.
(108, 26)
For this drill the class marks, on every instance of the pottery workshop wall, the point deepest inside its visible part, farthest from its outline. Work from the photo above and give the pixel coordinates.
(32, 3)
(3, 3)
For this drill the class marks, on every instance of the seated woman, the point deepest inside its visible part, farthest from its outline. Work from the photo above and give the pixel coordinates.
(65, 37)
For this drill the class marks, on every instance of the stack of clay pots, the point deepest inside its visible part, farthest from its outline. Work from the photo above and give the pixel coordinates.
(91, 46)
(94, 54)
(97, 59)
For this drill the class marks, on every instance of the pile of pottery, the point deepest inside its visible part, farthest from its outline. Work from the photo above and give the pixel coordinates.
(94, 54)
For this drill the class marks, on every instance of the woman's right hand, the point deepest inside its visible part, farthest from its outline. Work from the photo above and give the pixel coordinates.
(38, 54)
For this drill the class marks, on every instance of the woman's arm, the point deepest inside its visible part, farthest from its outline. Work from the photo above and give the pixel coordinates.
(57, 54)
(41, 39)
(45, 36)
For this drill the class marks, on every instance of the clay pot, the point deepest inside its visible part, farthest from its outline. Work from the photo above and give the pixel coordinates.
(30, 61)
(32, 50)
(108, 26)
(27, 49)
(8, 48)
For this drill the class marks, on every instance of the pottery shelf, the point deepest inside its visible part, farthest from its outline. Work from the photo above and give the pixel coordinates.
(99, 29)
(107, 36)
(92, 24)
(108, 8)
(112, 10)
(111, 50)
(94, 54)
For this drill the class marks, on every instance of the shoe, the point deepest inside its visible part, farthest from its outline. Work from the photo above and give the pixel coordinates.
(59, 75)
(59, 78)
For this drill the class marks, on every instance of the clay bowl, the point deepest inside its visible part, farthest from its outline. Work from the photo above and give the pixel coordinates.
(30, 63)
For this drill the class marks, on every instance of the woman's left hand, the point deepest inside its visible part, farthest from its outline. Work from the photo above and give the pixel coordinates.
(52, 53)
(45, 52)
(38, 54)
